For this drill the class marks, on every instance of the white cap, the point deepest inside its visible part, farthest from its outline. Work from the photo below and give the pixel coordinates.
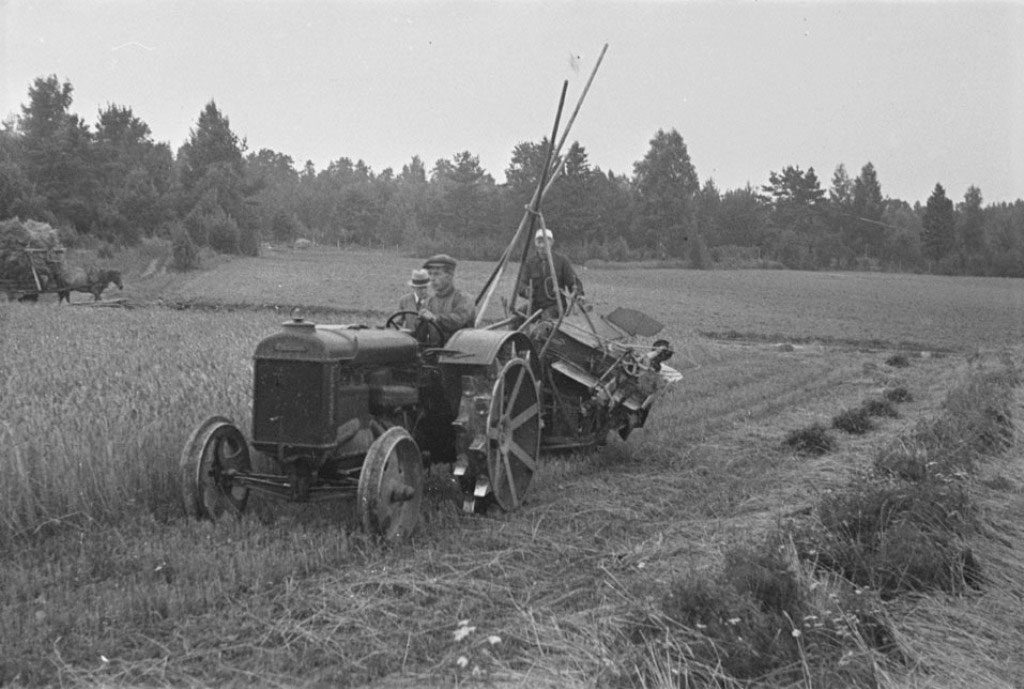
(544, 233)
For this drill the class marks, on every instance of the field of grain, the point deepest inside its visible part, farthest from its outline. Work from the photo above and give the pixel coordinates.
(110, 585)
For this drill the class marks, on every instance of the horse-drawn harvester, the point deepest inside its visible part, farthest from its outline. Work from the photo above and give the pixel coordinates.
(350, 410)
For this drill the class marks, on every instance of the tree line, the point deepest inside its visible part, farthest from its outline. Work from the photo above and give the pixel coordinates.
(113, 182)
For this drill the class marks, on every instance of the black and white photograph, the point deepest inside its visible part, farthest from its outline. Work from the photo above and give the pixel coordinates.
(647, 344)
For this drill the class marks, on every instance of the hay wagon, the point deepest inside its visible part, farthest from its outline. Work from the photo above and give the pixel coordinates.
(31, 271)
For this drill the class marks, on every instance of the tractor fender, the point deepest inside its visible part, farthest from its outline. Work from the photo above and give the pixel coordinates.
(472, 347)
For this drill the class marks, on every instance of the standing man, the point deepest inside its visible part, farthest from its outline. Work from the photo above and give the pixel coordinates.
(415, 300)
(539, 286)
(448, 308)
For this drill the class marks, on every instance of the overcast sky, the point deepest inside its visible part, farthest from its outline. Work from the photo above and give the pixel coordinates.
(927, 92)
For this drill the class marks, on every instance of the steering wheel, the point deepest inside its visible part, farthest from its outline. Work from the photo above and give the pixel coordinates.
(427, 332)
(392, 321)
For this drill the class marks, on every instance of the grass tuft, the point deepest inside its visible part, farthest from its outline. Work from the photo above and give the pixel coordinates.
(854, 421)
(770, 619)
(898, 361)
(895, 536)
(813, 440)
(880, 408)
(898, 394)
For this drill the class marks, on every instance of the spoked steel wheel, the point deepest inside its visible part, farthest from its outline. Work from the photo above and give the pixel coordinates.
(214, 454)
(391, 486)
(513, 433)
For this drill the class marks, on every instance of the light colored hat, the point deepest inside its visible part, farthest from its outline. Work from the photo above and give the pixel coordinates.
(420, 278)
(544, 233)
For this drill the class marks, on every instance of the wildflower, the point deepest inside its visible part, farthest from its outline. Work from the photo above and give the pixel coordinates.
(493, 639)
(462, 662)
(734, 620)
(795, 633)
(462, 632)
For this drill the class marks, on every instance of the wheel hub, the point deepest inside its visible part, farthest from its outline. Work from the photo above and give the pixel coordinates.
(504, 434)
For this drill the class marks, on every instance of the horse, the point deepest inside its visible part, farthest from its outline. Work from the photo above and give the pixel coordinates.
(92, 281)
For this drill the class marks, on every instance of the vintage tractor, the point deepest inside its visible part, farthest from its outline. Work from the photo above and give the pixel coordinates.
(350, 410)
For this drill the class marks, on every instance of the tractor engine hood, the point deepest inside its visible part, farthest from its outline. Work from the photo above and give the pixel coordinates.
(303, 340)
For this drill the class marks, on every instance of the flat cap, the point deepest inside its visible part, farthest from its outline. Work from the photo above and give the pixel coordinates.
(440, 260)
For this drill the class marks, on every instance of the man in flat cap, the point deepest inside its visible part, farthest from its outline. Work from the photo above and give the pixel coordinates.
(416, 299)
(539, 285)
(447, 307)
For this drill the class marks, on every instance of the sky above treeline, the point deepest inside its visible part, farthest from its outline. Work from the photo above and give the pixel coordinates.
(927, 92)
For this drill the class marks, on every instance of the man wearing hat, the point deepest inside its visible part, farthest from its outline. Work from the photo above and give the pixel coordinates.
(538, 285)
(447, 307)
(415, 300)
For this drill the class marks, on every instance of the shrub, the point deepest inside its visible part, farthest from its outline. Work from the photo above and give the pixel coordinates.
(697, 252)
(184, 251)
(898, 394)
(813, 440)
(855, 421)
(732, 256)
(105, 250)
(212, 227)
(898, 361)
(249, 240)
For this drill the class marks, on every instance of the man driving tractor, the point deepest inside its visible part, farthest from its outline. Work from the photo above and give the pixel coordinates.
(447, 308)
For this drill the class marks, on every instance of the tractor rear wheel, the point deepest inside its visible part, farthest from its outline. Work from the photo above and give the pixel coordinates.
(506, 438)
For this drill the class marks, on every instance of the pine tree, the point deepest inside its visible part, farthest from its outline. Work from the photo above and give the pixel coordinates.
(938, 223)
(868, 205)
(666, 187)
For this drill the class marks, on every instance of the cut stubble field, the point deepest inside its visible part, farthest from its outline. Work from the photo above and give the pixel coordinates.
(108, 584)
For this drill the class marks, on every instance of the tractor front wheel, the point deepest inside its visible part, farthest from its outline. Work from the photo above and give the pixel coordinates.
(214, 454)
(391, 486)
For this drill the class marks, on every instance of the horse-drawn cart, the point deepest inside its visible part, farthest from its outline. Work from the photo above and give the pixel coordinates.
(31, 271)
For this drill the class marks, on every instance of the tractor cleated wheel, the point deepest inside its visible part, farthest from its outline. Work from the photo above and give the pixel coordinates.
(213, 455)
(509, 438)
